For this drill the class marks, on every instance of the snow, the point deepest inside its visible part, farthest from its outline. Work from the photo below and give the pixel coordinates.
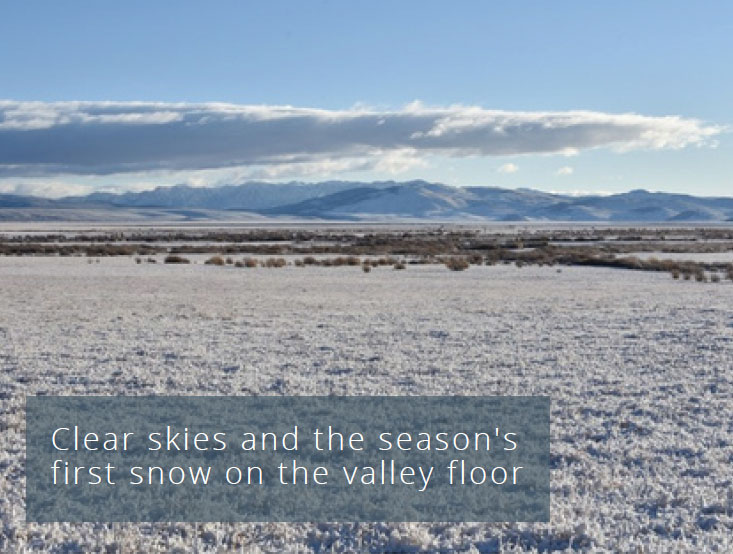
(638, 367)
(705, 257)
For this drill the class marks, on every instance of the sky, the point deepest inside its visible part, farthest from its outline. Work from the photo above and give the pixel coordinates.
(578, 97)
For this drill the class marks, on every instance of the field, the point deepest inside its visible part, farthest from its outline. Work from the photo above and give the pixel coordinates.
(637, 364)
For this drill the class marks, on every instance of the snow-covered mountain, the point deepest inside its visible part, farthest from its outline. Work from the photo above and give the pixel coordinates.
(249, 196)
(387, 199)
(434, 201)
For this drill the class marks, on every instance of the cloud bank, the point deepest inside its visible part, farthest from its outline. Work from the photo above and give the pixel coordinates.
(39, 139)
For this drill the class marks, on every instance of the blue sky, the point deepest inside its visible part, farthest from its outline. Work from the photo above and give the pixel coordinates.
(442, 78)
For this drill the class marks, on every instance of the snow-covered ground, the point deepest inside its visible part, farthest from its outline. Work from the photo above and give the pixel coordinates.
(708, 257)
(639, 367)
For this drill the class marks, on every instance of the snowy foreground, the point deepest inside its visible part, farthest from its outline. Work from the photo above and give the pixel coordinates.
(638, 365)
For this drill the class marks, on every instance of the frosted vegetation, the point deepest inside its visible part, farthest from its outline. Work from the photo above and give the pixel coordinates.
(638, 366)
(664, 249)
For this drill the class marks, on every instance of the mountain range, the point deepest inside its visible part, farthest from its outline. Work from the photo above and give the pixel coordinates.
(355, 201)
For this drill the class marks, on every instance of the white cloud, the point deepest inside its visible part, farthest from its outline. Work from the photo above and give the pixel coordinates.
(399, 161)
(44, 140)
(508, 168)
(566, 170)
(48, 189)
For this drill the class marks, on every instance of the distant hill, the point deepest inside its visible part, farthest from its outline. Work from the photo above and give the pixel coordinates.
(344, 200)
(249, 196)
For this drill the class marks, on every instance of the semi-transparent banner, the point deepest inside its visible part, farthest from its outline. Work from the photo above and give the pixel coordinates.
(288, 459)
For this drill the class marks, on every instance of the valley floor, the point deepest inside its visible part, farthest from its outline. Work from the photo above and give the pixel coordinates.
(639, 368)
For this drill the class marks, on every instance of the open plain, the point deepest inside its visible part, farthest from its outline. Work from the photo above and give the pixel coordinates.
(638, 366)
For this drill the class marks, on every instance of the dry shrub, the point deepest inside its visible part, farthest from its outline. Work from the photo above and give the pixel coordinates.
(457, 263)
(400, 265)
(238, 264)
(229, 261)
(276, 262)
(215, 260)
(631, 262)
(366, 267)
(176, 259)
(250, 262)
(109, 250)
(345, 260)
